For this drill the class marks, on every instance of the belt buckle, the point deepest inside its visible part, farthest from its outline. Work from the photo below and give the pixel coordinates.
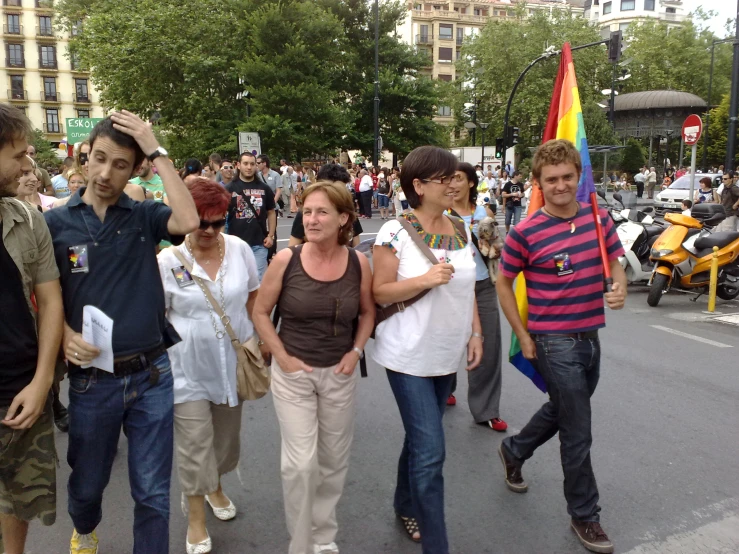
(401, 306)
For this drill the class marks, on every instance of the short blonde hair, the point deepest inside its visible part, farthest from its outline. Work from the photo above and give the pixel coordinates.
(341, 200)
(556, 152)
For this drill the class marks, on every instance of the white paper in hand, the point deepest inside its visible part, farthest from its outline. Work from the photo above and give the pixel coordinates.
(97, 329)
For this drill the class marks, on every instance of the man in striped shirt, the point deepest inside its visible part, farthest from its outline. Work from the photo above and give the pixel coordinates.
(557, 251)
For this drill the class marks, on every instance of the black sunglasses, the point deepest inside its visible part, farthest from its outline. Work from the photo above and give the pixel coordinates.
(215, 224)
(83, 159)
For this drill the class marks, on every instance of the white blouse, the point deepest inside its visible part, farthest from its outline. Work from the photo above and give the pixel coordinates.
(203, 366)
(430, 337)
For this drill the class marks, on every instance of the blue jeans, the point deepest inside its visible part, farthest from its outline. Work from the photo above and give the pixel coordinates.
(260, 253)
(512, 213)
(383, 201)
(99, 404)
(570, 368)
(419, 491)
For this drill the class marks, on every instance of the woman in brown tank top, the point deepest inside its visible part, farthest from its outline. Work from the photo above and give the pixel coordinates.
(321, 287)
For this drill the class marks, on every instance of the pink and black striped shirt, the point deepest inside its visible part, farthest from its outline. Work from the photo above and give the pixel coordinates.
(563, 270)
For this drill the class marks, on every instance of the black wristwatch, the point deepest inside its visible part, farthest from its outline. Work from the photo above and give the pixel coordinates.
(158, 152)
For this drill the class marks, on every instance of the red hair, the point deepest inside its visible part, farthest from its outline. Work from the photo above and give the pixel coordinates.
(210, 198)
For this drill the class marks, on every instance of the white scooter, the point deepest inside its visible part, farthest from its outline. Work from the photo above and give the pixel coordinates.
(637, 232)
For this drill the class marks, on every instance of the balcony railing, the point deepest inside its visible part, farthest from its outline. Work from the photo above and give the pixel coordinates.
(460, 40)
(446, 37)
(14, 62)
(673, 17)
(54, 128)
(47, 64)
(12, 29)
(51, 97)
(44, 32)
(446, 14)
(82, 99)
(17, 94)
(424, 39)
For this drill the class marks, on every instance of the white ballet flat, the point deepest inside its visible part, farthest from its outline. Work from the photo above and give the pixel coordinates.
(224, 514)
(203, 547)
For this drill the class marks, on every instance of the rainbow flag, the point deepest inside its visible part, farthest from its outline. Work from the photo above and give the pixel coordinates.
(564, 122)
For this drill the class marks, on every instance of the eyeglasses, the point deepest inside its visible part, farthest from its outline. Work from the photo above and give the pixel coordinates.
(442, 181)
(227, 167)
(204, 225)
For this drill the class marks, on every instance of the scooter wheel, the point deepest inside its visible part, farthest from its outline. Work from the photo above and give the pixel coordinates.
(725, 292)
(659, 284)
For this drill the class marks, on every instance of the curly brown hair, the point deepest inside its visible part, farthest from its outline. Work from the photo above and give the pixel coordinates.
(555, 152)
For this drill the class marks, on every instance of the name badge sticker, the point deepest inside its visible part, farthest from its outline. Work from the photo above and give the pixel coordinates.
(78, 259)
(563, 263)
(182, 276)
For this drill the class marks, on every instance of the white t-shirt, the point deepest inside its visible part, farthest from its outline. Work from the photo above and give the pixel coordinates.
(203, 366)
(365, 184)
(430, 337)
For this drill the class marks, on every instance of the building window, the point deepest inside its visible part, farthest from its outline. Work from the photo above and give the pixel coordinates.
(607, 8)
(623, 27)
(417, 6)
(458, 55)
(477, 11)
(628, 5)
(81, 92)
(44, 26)
(649, 5)
(670, 10)
(460, 35)
(16, 88)
(50, 94)
(445, 77)
(47, 57)
(445, 111)
(83, 114)
(445, 31)
(14, 54)
(52, 121)
(15, 3)
(445, 55)
(13, 26)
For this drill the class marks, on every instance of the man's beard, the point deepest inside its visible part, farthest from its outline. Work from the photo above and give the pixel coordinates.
(8, 188)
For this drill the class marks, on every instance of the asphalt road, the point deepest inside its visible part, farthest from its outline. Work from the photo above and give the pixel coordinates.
(665, 453)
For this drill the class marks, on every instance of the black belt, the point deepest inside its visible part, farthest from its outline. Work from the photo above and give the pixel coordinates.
(577, 336)
(136, 363)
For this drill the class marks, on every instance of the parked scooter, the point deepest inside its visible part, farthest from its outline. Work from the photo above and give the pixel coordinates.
(682, 255)
(637, 234)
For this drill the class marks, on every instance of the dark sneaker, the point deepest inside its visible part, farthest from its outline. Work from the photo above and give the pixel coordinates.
(513, 478)
(592, 536)
(61, 416)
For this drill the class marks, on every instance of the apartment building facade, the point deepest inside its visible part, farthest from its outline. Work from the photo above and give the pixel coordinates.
(439, 29)
(614, 15)
(41, 78)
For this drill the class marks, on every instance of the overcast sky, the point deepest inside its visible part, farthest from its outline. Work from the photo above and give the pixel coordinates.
(725, 8)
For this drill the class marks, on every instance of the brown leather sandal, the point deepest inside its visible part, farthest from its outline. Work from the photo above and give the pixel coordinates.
(410, 524)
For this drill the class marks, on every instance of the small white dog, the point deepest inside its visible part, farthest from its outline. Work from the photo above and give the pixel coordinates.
(491, 245)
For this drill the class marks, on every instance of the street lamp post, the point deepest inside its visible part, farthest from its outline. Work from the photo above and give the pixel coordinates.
(375, 157)
(734, 102)
(483, 126)
(708, 111)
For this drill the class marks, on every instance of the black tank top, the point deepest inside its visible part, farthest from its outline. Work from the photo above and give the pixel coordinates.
(317, 323)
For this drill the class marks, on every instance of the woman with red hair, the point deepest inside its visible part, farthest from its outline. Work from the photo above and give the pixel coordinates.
(207, 412)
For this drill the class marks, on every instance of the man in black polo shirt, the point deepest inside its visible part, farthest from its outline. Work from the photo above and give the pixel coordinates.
(105, 248)
(251, 214)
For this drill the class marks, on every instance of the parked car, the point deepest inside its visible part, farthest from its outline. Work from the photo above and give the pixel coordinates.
(671, 198)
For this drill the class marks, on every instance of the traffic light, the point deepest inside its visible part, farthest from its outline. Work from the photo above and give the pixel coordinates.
(498, 148)
(512, 136)
(615, 47)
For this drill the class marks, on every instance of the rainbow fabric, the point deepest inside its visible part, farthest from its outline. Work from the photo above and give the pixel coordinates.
(565, 121)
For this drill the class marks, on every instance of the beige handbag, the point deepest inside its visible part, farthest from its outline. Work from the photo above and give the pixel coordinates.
(252, 373)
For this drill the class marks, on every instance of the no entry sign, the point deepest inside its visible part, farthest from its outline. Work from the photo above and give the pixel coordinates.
(692, 129)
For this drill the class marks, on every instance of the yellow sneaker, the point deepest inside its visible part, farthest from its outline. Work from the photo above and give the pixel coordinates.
(83, 544)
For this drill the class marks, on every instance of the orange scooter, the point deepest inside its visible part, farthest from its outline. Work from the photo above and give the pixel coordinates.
(682, 255)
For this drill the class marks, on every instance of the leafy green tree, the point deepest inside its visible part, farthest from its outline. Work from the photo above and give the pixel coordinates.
(493, 61)
(718, 133)
(633, 158)
(45, 152)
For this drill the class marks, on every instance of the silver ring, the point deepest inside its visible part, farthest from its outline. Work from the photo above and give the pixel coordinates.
(76, 355)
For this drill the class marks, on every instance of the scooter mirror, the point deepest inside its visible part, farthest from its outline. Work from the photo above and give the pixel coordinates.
(617, 196)
(648, 210)
(601, 194)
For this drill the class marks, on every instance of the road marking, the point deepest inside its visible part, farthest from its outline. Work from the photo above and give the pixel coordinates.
(692, 337)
